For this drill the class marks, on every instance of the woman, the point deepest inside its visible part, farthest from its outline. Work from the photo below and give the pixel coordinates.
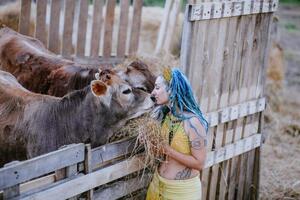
(184, 127)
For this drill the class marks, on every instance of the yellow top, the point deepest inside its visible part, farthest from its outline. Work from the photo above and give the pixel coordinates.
(180, 141)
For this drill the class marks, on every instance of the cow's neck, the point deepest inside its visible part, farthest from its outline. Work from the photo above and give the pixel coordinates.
(88, 117)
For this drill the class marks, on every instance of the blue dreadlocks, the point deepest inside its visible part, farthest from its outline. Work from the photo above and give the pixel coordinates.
(182, 98)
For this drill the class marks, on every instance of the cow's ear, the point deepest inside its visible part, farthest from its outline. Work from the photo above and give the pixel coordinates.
(98, 87)
(97, 76)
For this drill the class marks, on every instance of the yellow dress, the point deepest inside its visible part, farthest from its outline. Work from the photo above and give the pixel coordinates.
(164, 189)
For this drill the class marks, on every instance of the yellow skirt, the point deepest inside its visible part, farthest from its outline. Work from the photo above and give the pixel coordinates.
(163, 189)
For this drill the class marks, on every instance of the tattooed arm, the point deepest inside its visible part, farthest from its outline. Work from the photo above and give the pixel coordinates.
(197, 136)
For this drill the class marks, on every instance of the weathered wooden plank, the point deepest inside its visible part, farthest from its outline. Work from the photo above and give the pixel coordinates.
(23, 171)
(82, 28)
(201, 88)
(234, 112)
(186, 42)
(87, 182)
(40, 28)
(205, 54)
(240, 8)
(173, 16)
(194, 71)
(224, 101)
(14, 190)
(233, 96)
(54, 40)
(250, 162)
(108, 28)
(249, 67)
(96, 28)
(67, 45)
(247, 36)
(227, 165)
(252, 184)
(243, 190)
(36, 183)
(163, 26)
(254, 191)
(232, 150)
(136, 26)
(123, 188)
(123, 26)
(24, 20)
(88, 167)
(111, 151)
(215, 102)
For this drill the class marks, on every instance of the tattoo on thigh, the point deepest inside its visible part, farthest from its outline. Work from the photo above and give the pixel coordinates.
(184, 174)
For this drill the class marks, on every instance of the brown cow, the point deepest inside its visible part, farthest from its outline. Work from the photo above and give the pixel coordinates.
(32, 124)
(41, 71)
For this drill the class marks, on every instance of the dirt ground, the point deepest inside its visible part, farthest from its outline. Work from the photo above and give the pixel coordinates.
(280, 161)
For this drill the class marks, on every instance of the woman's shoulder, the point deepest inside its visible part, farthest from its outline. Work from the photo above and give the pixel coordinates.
(192, 121)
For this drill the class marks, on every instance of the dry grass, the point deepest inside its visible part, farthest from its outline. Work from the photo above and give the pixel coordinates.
(280, 157)
(148, 140)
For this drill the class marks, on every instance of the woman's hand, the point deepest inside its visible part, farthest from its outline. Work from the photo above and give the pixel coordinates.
(166, 149)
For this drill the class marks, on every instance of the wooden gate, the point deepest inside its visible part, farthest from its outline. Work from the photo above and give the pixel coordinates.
(82, 31)
(224, 54)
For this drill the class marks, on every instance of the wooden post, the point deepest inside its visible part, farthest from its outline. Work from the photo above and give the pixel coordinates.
(13, 191)
(67, 45)
(122, 34)
(136, 26)
(108, 28)
(88, 167)
(24, 20)
(54, 40)
(163, 26)
(96, 28)
(40, 28)
(82, 27)
(169, 35)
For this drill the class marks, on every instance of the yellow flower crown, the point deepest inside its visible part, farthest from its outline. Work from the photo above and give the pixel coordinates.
(167, 74)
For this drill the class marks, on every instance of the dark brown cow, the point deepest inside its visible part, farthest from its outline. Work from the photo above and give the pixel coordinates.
(41, 71)
(32, 124)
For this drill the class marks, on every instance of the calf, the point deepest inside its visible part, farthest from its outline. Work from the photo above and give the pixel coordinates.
(32, 124)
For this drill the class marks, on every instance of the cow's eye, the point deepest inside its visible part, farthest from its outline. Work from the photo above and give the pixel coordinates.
(142, 88)
(128, 91)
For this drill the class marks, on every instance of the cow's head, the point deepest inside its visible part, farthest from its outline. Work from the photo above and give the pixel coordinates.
(138, 75)
(125, 101)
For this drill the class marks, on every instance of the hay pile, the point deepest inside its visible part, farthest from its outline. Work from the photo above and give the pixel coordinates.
(149, 140)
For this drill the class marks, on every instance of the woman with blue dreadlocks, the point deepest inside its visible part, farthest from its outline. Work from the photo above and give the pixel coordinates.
(185, 128)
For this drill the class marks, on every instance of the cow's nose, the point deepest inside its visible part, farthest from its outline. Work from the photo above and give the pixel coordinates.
(153, 98)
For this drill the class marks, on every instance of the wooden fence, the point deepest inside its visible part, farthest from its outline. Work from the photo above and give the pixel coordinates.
(87, 32)
(77, 169)
(224, 53)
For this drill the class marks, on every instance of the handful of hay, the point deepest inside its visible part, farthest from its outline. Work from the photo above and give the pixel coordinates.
(149, 138)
